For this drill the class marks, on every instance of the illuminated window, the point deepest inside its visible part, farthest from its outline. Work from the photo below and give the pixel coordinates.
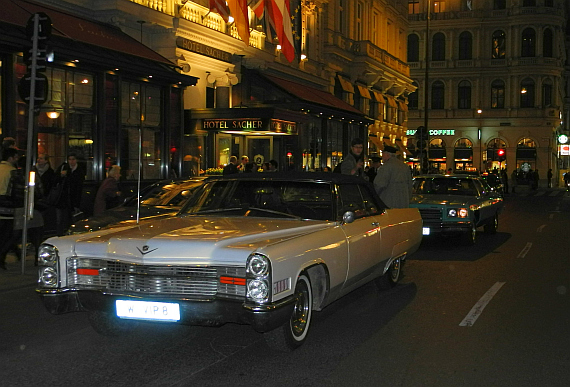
(498, 94)
(498, 40)
(413, 6)
(527, 93)
(439, 6)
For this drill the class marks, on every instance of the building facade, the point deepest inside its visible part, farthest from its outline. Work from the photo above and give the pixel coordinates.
(348, 79)
(491, 80)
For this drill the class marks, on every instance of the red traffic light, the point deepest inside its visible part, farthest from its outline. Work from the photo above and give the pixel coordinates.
(501, 153)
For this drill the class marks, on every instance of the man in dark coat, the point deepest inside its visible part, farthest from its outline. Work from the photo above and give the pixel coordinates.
(231, 168)
(70, 176)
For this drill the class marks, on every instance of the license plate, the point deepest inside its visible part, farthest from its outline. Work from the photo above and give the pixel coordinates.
(148, 310)
(425, 231)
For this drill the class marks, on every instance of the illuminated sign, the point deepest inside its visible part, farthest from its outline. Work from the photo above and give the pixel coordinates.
(564, 150)
(279, 126)
(433, 132)
(203, 49)
(237, 124)
(563, 139)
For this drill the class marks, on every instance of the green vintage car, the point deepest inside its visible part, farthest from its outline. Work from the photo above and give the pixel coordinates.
(456, 205)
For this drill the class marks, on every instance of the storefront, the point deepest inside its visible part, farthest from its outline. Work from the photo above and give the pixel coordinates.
(111, 99)
(299, 126)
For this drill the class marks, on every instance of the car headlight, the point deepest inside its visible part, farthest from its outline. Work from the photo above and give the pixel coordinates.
(258, 277)
(457, 213)
(258, 265)
(47, 255)
(48, 277)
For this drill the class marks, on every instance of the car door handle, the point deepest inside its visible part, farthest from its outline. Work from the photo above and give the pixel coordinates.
(375, 224)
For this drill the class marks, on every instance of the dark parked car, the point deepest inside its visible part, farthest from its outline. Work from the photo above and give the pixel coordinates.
(159, 199)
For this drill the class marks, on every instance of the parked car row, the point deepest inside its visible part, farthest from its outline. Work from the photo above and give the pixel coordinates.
(260, 249)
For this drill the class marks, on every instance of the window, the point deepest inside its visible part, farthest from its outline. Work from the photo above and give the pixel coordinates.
(439, 6)
(547, 93)
(528, 44)
(529, 3)
(413, 6)
(498, 45)
(413, 98)
(498, 94)
(341, 16)
(438, 49)
(547, 46)
(465, 45)
(499, 4)
(437, 95)
(413, 48)
(527, 93)
(359, 27)
(464, 95)
(549, 3)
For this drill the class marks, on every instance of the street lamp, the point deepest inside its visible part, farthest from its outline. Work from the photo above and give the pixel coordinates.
(479, 137)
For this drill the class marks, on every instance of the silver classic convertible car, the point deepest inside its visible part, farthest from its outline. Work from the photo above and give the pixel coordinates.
(265, 249)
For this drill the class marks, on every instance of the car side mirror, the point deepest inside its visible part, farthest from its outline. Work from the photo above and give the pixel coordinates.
(348, 217)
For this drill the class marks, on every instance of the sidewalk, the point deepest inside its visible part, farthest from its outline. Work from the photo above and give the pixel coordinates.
(13, 277)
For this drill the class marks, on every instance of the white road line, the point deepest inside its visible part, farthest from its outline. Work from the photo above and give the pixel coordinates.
(477, 309)
(525, 250)
(541, 228)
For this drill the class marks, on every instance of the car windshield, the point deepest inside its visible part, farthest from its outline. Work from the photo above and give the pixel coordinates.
(281, 199)
(171, 195)
(444, 186)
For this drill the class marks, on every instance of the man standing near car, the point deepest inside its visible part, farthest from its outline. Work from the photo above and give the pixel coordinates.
(393, 181)
(353, 163)
(7, 169)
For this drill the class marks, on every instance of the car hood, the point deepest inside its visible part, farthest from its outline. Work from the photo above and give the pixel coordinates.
(195, 239)
(441, 200)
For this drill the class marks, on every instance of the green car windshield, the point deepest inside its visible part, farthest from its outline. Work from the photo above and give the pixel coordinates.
(444, 186)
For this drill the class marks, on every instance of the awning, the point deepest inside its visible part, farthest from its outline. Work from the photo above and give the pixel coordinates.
(378, 97)
(364, 92)
(313, 95)
(100, 43)
(391, 101)
(402, 106)
(345, 84)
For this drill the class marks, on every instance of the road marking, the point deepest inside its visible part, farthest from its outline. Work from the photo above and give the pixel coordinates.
(525, 250)
(477, 309)
(541, 228)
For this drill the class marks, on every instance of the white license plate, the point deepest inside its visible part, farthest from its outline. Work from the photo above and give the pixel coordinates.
(425, 231)
(148, 310)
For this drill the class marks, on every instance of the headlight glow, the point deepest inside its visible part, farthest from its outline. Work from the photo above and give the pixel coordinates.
(463, 213)
(48, 277)
(47, 255)
(258, 290)
(452, 213)
(258, 265)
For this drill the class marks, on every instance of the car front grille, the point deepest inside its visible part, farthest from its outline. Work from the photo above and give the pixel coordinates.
(129, 278)
(430, 213)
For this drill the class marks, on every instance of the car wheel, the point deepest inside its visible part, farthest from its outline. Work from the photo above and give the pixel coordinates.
(470, 236)
(110, 325)
(391, 277)
(491, 228)
(293, 333)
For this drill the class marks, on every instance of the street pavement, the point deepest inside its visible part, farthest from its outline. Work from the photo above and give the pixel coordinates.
(13, 278)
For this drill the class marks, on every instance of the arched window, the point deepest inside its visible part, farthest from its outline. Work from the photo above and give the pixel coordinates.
(526, 143)
(547, 44)
(499, 4)
(498, 94)
(463, 143)
(498, 45)
(527, 93)
(496, 143)
(528, 43)
(437, 143)
(437, 95)
(464, 95)
(465, 45)
(438, 47)
(413, 98)
(547, 92)
(413, 48)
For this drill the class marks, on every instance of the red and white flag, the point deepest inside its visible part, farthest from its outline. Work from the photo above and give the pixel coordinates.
(281, 15)
(239, 11)
(258, 7)
(220, 7)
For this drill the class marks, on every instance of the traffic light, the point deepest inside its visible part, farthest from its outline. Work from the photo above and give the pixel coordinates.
(38, 31)
(501, 154)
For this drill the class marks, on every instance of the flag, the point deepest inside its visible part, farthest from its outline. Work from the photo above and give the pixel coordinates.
(258, 7)
(238, 10)
(220, 7)
(282, 19)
